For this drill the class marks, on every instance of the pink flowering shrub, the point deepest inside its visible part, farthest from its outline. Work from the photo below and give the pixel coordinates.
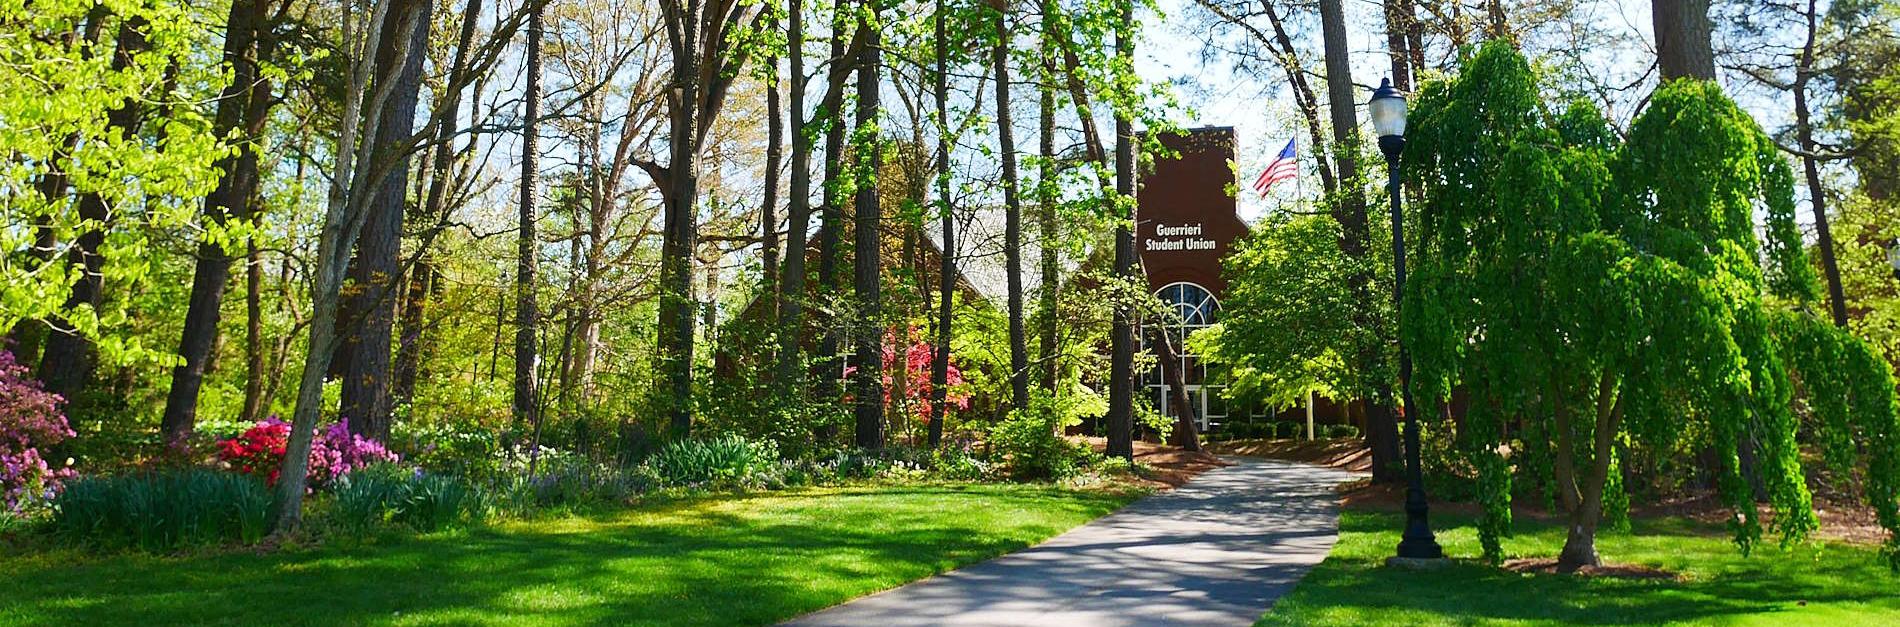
(916, 368)
(29, 419)
(335, 451)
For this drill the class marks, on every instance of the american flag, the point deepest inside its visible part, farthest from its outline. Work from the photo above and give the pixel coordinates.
(1284, 167)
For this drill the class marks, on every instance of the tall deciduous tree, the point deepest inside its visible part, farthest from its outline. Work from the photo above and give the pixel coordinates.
(243, 107)
(1683, 45)
(1349, 209)
(1013, 211)
(947, 264)
(527, 242)
(369, 306)
(867, 231)
(706, 59)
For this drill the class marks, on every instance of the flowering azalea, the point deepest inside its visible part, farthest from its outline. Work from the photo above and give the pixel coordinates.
(917, 371)
(29, 419)
(335, 451)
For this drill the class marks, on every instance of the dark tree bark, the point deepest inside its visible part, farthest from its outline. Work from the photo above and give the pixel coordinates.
(377, 269)
(1349, 209)
(1186, 434)
(67, 364)
(245, 104)
(1398, 21)
(768, 211)
(681, 230)
(527, 242)
(791, 299)
(424, 275)
(867, 254)
(1013, 213)
(1046, 191)
(831, 368)
(1683, 45)
(254, 398)
(1121, 377)
(1811, 169)
(705, 62)
(947, 264)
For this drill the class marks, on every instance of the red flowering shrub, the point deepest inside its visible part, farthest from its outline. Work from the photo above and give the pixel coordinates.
(916, 369)
(334, 453)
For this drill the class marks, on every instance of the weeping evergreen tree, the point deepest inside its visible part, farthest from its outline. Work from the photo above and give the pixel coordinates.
(1596, 299)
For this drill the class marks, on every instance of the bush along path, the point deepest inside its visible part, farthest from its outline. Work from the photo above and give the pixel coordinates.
(1216, 551)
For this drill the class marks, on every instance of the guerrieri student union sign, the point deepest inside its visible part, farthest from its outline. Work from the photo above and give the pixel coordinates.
(1178, 237)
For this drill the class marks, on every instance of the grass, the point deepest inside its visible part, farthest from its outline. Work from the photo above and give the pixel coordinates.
(733, 560)
(1820, 584)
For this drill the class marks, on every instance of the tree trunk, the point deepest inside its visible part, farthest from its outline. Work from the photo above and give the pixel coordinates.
(67, 364)
(791, 300)
(1811, 169)
(947, 264)
(1580, 541)
(378, 265)
(1683, 46)
(867, 255)
(435, 209)
(681, 235)
(1398, 18)
(254, 399)
(1046, 198)
(1121, 377)
(343, 219)
(244, 104)
(1013, 213)
(527, 244)
(768, 210)
(1186, 435)
(829, 234)
(1355, 241)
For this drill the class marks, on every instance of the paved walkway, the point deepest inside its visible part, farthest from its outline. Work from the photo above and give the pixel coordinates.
(1216, 551)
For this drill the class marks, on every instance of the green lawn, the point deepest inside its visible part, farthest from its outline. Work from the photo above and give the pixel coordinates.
(719, 561)
(1828, 584)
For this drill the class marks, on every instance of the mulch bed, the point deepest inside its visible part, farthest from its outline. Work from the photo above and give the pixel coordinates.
(1172, 466)
(1548, 566)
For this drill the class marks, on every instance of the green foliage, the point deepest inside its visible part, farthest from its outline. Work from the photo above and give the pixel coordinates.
(389, 494)
(1573, 285)
(163, 510)
(1288, 317)
(59, 82)
(1029, 439)
(719, 460)
(1341, 431)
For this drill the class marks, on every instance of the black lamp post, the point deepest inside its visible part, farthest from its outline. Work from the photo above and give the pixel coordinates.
(1388, 119)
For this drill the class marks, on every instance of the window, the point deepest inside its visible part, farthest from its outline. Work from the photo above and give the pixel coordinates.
(1190, 308)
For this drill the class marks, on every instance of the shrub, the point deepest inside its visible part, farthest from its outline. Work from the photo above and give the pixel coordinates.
(435, 502)
(385, 493)
(163, 510)
(1289, 429)
(718, 460)
(1342, 431)
(1027, 438)
(29, 419)
(333, 453)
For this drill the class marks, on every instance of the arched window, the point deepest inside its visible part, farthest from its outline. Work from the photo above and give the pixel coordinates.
(1190, 308)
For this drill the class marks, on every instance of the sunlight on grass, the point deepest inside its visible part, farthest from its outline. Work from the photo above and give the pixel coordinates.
(739, 560)
(1818, 584)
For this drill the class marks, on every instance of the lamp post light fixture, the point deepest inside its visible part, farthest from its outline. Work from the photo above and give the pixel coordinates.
(1388, 120)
